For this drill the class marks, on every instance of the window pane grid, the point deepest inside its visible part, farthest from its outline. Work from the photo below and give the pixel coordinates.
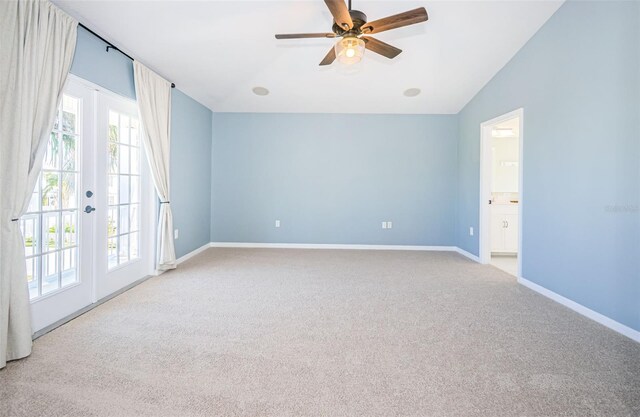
(123, 189)
(50, 225)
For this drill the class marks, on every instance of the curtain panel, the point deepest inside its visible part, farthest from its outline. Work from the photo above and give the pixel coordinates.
(37, 42)
(153, 94)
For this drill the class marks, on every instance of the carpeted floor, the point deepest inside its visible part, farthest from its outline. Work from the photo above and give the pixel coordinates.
(261, 332)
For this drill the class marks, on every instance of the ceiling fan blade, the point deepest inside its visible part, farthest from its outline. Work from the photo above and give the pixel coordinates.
(396, 21)
(331, 56)
(305, 35)
(380, 47)
(340, 13)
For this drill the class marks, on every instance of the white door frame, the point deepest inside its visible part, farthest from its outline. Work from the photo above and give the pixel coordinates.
(485, 184)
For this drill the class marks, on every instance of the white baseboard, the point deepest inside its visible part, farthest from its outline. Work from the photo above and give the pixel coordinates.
(579, 308)
(193, 253)
(467, 254)
(330, 246)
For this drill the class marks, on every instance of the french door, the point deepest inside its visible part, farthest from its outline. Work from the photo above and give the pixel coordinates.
(87, 231)
(125, 217)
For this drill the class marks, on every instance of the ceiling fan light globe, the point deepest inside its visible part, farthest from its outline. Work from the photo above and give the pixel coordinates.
(349, 50)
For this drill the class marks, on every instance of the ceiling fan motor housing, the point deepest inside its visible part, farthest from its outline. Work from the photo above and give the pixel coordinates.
(358, 19)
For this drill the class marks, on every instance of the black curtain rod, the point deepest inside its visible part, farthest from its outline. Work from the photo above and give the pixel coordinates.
(110, 45)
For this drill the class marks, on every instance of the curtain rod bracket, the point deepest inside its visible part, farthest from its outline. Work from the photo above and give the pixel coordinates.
(110, 46)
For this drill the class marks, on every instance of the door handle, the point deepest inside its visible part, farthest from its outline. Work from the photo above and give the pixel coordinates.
(89, 209)
(506, 223)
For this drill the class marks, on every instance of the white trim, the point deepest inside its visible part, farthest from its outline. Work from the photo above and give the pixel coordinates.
(96, 87)
(330, 246)
(485, 187)
(193, 253)
(579, 308)
(467, 254)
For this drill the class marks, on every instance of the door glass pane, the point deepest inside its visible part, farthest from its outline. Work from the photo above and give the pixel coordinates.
(33, 276)
(134, 217)
(123, 188)
(29, 223)
(69, 229)
(52, 157)
(124, 159)
(69, 268)
(69, 114)
(112, 222)
(50, 190)
(50, 273)
(112, 250)
(112, 197)
(135, 189)
(134, 245)
(50, 226)
(50, 232)
(135, 160)
(123, 249)
(124, 219)
(69, 152)
(68, 193)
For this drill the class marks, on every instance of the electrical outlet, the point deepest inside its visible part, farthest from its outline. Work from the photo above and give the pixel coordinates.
(389, 225)
(384, 225)
(470, 230)
(176, 234)
(277, 223)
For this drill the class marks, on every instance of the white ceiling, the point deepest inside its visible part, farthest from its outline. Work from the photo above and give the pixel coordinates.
(217, 51)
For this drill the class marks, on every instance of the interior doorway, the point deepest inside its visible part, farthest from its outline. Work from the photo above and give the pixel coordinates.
(501, 192)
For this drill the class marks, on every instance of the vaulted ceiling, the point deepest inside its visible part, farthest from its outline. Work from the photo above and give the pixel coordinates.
(218, 51)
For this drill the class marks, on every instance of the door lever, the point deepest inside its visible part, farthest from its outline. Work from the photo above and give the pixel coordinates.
(89, 209)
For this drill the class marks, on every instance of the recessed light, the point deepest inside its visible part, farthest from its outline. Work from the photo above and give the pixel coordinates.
(412, 92)
(260, 91)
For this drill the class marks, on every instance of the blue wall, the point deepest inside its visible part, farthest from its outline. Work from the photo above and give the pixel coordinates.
(110, 70)
(190, 171)
(190, 139)
(333, 178)
(578, 80)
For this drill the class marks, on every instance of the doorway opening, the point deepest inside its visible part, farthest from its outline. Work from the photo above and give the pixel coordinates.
(501, 192)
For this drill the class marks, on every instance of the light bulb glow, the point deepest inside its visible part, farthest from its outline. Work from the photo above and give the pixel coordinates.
(349, 50)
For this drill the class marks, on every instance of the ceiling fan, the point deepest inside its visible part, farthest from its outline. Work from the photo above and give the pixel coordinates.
(352, 26)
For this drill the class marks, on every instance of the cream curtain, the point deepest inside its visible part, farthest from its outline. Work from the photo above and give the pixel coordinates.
(37, 42)
(153, 94)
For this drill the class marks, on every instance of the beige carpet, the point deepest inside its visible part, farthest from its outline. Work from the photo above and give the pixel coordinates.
(243, 332)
